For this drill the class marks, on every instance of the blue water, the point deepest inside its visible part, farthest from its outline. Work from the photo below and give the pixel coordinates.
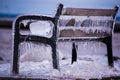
(118, 18)
(5, 15)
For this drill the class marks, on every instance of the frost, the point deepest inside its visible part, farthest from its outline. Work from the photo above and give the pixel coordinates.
(88, 24)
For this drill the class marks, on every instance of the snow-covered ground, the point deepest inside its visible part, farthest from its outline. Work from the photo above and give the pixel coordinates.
(91, 60)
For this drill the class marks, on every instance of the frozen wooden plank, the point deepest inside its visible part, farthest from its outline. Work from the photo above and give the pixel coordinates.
(89, 12)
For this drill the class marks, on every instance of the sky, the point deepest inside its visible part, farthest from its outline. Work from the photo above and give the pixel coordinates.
(48, 7)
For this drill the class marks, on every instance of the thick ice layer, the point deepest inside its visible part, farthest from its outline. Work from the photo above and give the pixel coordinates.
(31, 51)
(98, 29)
(84, 49)
(87, 24)
(82, 18)
(40, 28)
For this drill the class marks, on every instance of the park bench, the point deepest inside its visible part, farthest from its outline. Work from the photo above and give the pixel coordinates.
(68, 24)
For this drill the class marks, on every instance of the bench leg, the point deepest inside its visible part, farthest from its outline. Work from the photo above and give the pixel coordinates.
(54, 56)
(108, 42)
(74, 52)
(15, 64)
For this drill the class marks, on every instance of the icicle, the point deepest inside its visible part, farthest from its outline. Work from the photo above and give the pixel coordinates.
(35, 52)
(84, 45)
(95, 47)
(92, 24)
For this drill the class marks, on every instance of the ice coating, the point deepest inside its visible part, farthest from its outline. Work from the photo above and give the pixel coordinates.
(35, 59)
(81, 18)
(88, 29)
(31, 51)
(42, 28)
(88, 24)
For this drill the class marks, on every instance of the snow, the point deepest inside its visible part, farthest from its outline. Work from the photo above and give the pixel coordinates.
(90, 63)
(88, 68)
(43, 68)
(5, 69)
(84, 68)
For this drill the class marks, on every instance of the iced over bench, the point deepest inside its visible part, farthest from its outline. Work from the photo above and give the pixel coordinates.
(75, 24)
(83, 24)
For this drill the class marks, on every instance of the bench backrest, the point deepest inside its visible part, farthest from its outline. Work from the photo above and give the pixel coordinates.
(89, 12)
(88, 20)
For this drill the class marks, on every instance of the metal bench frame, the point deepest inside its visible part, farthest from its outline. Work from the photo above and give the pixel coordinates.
(18, 38)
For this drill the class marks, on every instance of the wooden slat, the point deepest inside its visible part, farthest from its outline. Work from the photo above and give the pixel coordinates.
(89, 12)
(80, 38)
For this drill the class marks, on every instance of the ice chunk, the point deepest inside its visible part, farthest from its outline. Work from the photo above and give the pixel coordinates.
(42, 28)
(35, 52)
(88, 24)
